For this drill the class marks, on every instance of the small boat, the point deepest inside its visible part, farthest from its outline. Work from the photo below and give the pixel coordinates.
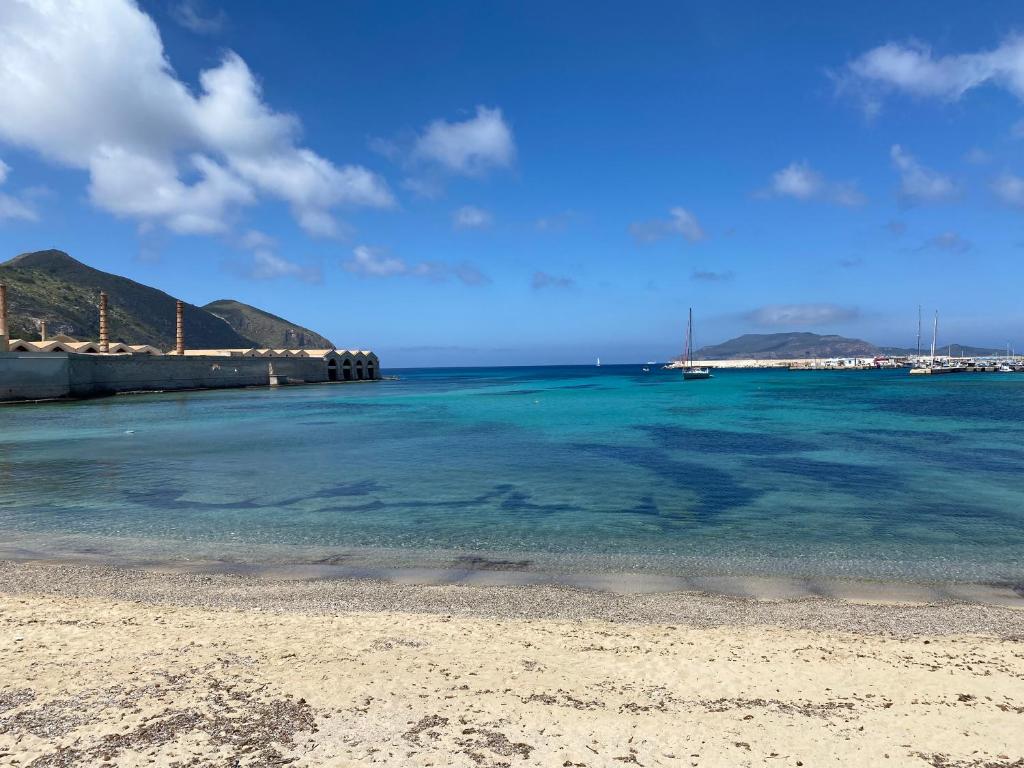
(645, 369)
(598, 362)
(691, 371)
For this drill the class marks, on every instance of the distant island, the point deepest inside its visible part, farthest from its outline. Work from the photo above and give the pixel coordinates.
(800, 345)
(52, 287)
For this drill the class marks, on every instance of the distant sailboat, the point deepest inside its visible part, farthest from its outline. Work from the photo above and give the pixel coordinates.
(599, 362)
(690, 371)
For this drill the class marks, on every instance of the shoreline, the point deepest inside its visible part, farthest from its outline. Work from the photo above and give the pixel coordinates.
(135, 668)
(300, 594)
(778, 578)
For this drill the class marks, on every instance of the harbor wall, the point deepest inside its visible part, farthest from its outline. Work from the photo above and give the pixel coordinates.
(46, 375)
(93, 375)
(33, 376)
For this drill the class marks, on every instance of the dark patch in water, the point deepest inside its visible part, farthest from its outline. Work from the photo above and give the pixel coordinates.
(853, 479)
(477, 563)
(168, 498)
(723, 441)
(519, 503)
(716, 491)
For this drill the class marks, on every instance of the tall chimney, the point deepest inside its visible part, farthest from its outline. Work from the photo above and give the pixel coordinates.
(4, 346)
(179, 333)
(104, 336)
(42, 330)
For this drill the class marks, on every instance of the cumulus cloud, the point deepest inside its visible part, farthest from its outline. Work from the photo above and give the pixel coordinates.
(470, 147)
(801, 315)
(541, 280)
(367, 261)
(948, 241)
(190, 15)
(919, 184)
(267, 265)
(11, 207)
(471, 217)
(1009, 189)
(711, 277)
(801, 182)
(679, 222)
(912, 68)
(154, 150)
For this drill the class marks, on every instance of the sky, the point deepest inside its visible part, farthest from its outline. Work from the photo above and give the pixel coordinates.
(458, 183)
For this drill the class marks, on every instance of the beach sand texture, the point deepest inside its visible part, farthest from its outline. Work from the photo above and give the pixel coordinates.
(190, 671)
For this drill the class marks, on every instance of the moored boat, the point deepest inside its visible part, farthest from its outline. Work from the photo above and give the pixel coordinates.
(691, 371)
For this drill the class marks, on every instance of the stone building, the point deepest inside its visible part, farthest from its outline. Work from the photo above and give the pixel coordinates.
(65, 367)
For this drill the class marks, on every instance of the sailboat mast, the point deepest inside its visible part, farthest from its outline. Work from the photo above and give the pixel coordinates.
(689, 338)
(918, 330)
(935, 333)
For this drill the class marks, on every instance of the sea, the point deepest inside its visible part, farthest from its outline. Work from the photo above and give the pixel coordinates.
(546, 473)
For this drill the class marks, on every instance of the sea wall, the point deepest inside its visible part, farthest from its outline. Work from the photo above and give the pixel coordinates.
(45, 375)
(33, 376)
(93, 375)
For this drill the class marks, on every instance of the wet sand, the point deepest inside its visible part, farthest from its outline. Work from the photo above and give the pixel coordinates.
(132, 667)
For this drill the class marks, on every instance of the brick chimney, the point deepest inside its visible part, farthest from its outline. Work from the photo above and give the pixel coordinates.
(179, 331)
(4, 346)
(104, 335)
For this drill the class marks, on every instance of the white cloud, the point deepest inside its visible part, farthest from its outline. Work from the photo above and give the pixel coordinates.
(801, 182)
(374, 262)
(267, 265)
(1009, 189)
(919, 184)
(254, 239)
(679, 222)
(471, 217)
(913, 69)
(11, 207)
(801, 315)
(188, 14)
(367, 261)
(122, 113)
(470, 147)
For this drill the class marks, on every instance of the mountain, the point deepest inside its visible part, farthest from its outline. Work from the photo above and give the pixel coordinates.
(766, 346)
(265, 329)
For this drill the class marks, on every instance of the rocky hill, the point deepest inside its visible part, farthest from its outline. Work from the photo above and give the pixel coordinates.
(265, 329)
(766, 346)
(52, 286)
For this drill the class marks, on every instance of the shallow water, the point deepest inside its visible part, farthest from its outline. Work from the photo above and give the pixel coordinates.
(574, 469)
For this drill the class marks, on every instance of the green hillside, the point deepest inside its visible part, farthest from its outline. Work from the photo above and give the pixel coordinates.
(52, 286)
(265, 329)
(765, 346)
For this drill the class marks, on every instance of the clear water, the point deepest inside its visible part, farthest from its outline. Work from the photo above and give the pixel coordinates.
(829, 474)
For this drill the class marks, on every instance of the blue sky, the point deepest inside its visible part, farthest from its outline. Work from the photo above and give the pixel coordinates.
(489, 183)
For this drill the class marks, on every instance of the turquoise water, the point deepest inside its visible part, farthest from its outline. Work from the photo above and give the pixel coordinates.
(866, 474)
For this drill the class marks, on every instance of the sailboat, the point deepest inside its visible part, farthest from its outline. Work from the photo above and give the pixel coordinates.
(598, 362)
(690, 371)
(933, 366)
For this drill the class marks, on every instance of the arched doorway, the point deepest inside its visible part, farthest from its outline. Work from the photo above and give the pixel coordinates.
(346, 370)
(359, 370)
(371, 372)
(332, 370)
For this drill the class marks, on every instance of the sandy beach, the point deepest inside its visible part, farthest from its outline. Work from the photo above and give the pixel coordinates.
(129, 668)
